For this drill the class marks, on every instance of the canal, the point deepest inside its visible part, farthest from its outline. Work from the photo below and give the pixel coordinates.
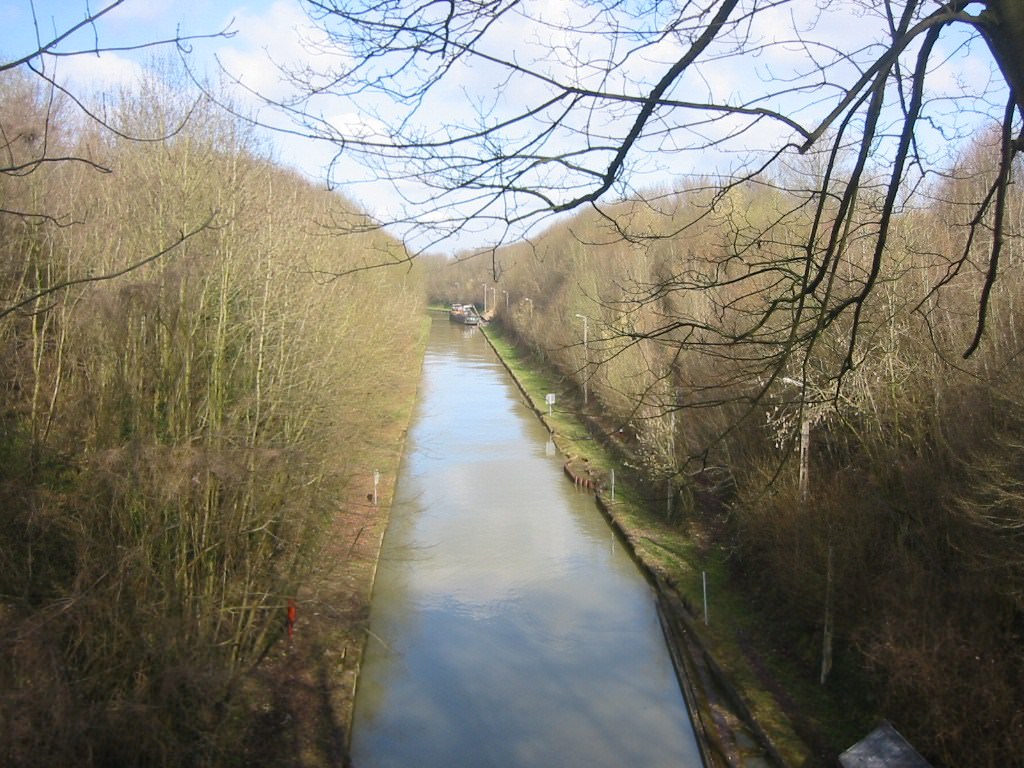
(509, 627)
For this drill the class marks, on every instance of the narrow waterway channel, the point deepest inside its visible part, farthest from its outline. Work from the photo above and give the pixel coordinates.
(509, 627)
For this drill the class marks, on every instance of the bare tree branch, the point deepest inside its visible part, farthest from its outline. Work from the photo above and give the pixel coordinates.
(1008, 150)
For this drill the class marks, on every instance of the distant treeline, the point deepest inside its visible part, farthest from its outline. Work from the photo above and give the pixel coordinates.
(172, 440)
(908, 548)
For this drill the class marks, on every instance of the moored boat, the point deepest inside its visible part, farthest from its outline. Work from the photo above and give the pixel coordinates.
(464, 313)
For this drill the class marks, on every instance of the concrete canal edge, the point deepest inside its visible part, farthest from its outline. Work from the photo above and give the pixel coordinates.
(722, 720)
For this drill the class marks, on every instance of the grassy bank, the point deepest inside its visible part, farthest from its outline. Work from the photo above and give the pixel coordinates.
(751, 677)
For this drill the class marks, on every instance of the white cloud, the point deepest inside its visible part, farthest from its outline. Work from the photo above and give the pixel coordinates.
(356, 125)
(269, 38)
(101, 72)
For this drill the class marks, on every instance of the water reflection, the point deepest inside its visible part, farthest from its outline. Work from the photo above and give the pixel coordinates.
(505, 629)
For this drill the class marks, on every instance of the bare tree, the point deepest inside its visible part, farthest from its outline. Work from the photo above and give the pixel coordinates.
(39, 111)
(491, 117)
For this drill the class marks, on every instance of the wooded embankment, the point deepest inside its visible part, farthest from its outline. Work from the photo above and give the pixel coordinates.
(197, 384)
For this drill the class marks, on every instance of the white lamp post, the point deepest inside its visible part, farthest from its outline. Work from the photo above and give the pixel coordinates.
(586, 357)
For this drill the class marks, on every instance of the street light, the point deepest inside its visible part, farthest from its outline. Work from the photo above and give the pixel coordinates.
(484, 286)
(586, 356)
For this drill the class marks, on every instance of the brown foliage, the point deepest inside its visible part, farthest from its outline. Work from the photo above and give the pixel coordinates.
(172, 441)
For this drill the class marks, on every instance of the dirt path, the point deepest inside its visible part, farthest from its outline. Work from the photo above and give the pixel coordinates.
(306, 685)
(311, 678)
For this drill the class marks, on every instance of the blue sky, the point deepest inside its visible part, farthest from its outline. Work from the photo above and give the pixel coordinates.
(133, 21)
(261, 28)
(264, 31)
(268, 31)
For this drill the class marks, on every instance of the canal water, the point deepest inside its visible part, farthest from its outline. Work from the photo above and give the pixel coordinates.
(509, 628)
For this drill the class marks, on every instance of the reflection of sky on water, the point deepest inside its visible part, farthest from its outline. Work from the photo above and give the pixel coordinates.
(510, 629)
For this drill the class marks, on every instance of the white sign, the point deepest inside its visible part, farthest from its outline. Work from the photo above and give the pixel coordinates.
(549, 398)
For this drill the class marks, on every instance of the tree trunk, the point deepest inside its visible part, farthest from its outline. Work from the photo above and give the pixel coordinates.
(1003, 28)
